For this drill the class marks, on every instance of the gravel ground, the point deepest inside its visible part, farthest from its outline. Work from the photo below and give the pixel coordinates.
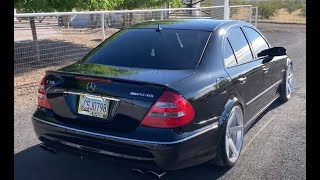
(275, 147)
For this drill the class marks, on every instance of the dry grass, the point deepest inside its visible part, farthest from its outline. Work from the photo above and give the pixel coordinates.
(282, 15)
(240, 13)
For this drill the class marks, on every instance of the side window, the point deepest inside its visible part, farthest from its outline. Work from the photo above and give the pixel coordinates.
(228, 55)
(240, 45)
(256, 40)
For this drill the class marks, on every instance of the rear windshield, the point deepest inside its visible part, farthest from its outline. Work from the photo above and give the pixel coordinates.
(147, 48)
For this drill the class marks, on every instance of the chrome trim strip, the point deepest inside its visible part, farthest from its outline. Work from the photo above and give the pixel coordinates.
(89, 94)
(263, 109)
(212, 126)
(269, 88)
(208, 120)
(103, 151)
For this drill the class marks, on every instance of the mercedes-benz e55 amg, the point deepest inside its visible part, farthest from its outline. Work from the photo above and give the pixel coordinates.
(172, 93)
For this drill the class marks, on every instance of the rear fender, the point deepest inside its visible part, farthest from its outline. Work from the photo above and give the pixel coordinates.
(233, 100)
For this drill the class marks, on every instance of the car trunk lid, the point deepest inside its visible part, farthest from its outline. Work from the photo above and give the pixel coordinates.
(129, 93)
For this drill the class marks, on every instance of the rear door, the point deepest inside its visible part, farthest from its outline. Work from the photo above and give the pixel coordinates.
(272, 66)
(246, 73)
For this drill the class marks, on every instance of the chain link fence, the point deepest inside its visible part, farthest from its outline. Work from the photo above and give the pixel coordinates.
(47, 41)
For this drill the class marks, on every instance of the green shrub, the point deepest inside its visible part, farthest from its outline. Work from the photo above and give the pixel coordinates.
(303, 10)
(268, 8)
(238, 2)
(292, 5)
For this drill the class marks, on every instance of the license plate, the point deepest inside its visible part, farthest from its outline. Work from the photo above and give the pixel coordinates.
(93, 106)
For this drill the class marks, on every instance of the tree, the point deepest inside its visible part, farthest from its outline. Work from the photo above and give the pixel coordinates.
(30, 6)
(33, 6)
(63, 6)
(93, 5)
(135, 4)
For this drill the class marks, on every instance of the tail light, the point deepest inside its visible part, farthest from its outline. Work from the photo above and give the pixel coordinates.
(42, 95)
(169, 111)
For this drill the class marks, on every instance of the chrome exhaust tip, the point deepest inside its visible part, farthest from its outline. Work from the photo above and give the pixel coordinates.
(47, 148)
(151, 173)
(136, 171)
(157, 174)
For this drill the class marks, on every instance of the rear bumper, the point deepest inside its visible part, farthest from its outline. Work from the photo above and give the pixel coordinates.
(188, 151)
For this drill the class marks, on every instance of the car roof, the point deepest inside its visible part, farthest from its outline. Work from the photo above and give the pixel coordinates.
(187, 24)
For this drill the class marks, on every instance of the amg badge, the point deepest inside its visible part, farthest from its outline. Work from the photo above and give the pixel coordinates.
(141, 94)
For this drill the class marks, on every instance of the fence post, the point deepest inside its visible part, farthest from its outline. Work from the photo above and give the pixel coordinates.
(102, 27)
(226, 10)
(250, 14)
(256, 18)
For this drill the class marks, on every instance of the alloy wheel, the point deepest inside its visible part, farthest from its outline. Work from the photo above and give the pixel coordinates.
(289, 81)
(234, 134)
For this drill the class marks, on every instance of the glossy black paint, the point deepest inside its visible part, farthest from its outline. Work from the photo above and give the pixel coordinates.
(274, 51)
(211, 88)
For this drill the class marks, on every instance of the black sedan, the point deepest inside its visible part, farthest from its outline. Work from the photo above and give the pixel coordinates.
(164, 94)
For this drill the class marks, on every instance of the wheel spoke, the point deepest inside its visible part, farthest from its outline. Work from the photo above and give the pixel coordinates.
(289, 83)
(234, 134)
(227, 149)
(232, 115)
(235, 129)
(233, 147)
(289, 88)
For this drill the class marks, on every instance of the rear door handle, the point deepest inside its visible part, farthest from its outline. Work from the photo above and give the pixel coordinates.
(265, 69)
(242, 80)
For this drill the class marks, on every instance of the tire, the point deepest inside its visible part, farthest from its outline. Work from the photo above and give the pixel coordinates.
(225, 156)
(287, 83)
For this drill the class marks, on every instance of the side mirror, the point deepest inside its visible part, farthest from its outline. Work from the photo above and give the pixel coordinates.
(274, 51)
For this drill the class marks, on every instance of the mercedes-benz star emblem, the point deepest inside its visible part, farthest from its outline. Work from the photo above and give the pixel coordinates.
(91, 87)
